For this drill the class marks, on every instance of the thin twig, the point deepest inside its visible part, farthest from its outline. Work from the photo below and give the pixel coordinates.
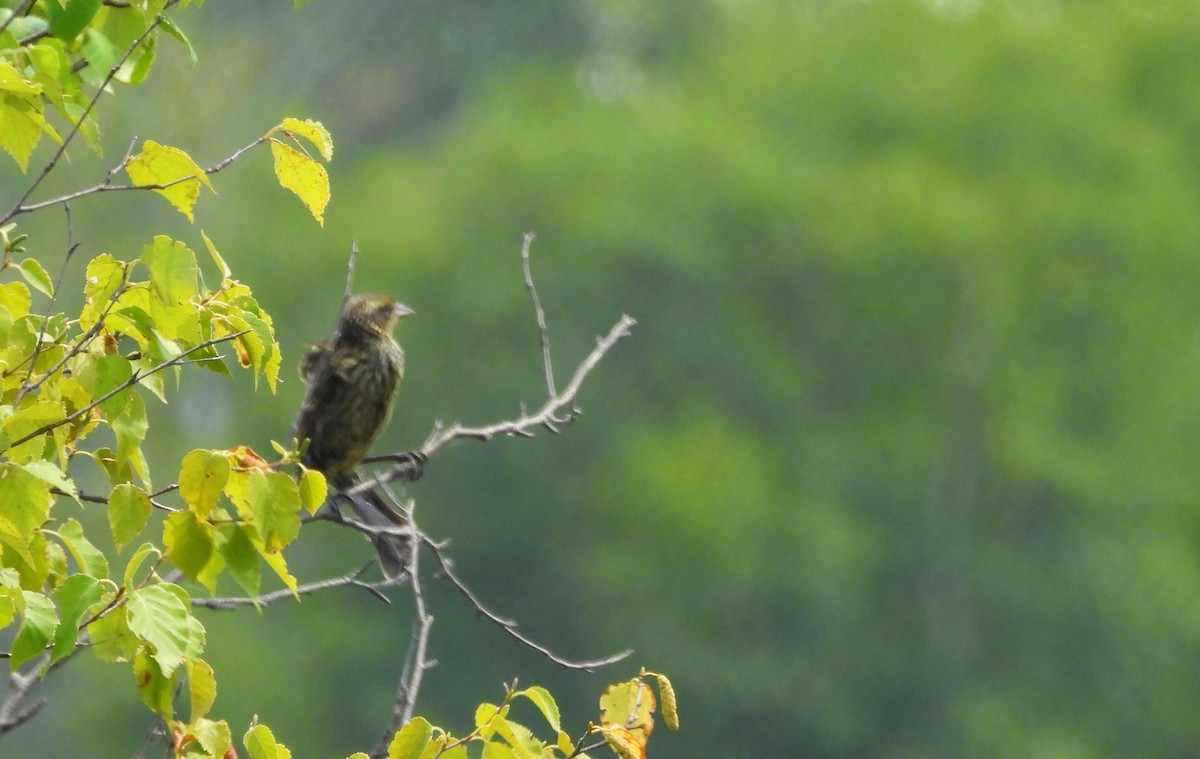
(21, 11)
(510, 626)
(84, 340)
(106, 184)
(137, 377)
(415, 663)
(72, 246)
(266, 599)
(548, 415)
(540, 315)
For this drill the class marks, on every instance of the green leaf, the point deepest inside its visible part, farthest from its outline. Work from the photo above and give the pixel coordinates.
(495, 750)
(27, 421)
(303, 176)
(202, 688)
(128, 511)
(271, 500)
(542, 699)
(37, 276)
(111, 639)
(174, 281)
(188, 542)
(67, 22)
(130, 429)
(170, 28)
(37, 628)
(214, 736)
(158, 617)
(103, 277)
(21, 123)
(100, 54)
(202, 477)
(48, 472)
(101, 374)
(76, 595)
(260, 744)
(157, 688)
(87, 556)
(222, 267)
(24, 499)
(410, 741)
(144, 551)
(313, 490)
(240, 556)
(16, 298)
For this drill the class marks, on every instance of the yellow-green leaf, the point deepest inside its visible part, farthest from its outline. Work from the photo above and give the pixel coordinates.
(544, 702)
(128, 511)
(16, 298)
(313, 490)
(216, 257)
(12, 81)
(202, 477)
(303, 176)
(410, 741)
(188, 541)
(202, 686)
(261, 744)
(24, 499)
(314, 131)
(87, 556)
(172, 172)
(156, 687)
(214, 736)
(103, 277)
(37, 276)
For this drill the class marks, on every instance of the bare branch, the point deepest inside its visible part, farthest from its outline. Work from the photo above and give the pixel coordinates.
(510, 626)
(540, 315)
(266, 599)
(415, 663)
(137, 377)
(548, 416)
(72, 246)
(13, 711)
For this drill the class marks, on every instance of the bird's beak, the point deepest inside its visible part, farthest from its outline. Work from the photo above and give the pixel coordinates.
(400, 310)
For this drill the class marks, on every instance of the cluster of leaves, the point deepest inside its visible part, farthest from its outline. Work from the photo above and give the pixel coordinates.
(626, 721)
(63, 47)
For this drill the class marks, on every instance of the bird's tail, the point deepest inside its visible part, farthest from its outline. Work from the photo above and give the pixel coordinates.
(394, 551)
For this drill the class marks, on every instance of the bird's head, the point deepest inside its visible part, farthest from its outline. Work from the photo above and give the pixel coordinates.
(377, 312)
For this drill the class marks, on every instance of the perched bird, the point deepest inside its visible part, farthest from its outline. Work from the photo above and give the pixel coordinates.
(351, 386)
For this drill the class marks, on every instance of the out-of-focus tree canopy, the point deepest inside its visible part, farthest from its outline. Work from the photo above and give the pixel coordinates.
(901, 460)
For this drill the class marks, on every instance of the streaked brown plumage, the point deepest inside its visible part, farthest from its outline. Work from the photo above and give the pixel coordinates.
(351, 388)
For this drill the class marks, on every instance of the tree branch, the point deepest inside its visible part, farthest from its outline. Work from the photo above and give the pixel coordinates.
(548, 415)
(266, 599)
(415, 663)
(13, 711)
(137, 377)
(106, 184)
(510, 626)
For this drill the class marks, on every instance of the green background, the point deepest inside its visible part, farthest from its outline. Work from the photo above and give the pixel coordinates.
(900, 460)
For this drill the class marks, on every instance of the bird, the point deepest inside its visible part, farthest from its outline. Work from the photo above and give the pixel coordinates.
(351, 381)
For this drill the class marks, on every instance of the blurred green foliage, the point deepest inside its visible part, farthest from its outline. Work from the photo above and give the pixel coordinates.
(900, 460)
